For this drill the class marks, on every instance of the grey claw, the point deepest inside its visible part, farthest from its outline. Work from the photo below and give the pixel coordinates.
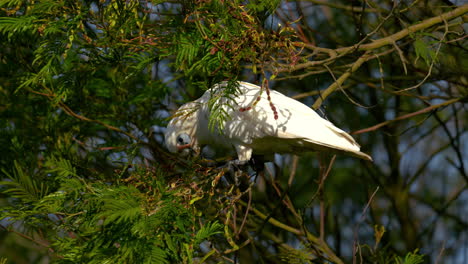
(234, 168)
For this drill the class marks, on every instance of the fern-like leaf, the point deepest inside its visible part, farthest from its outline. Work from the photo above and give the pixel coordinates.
(157, 255)
(61, 166)
(410, 258)
(207, 231)
(16, 25)
(120, 205)
(22, 186)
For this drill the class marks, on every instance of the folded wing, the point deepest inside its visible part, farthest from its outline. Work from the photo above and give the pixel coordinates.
(297, 128)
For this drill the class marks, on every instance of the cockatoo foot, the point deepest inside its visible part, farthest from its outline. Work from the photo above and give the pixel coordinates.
(257, 163)
(235, 168)
(238, 163)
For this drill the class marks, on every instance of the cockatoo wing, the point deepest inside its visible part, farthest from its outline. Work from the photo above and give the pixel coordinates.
(297, 127)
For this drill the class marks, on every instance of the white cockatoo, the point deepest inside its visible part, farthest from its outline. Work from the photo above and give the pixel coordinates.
(256, 125)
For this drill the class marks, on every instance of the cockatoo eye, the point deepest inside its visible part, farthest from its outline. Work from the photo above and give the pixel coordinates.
(183, 139)
(183, 144)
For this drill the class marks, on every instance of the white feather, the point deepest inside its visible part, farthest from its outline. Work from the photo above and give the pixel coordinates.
(297, 128)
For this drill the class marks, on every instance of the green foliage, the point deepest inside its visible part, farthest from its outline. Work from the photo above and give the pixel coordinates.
(218, 104)
(208, 231)
(302, 255)
(410, 258)
(86, 87)
(12, 26)
(22, 186)
(143, 222)
(424, 48)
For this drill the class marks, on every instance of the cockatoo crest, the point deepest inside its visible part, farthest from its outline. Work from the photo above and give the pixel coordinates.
(291, 128)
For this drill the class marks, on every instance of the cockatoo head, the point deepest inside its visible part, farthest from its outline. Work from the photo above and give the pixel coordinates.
(181, 130)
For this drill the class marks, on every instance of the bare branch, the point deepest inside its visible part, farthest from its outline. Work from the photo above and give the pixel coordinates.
(340, 81)
(344, 7)
(356, 242)
(422, 111)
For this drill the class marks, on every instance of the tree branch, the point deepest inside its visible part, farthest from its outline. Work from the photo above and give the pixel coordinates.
(406, 32)
(322, 246)
(375, 44)
(344, 7)
(422, 111)
(340, 81)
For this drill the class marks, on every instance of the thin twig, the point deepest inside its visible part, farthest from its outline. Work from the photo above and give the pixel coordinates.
(320, 244)
(441, 252)
(293, 169)
(417, 27)
(322, 180)
(324, 172)
(422, 111)
(25, 236)
(246, 212)
(356, 238)
(378, 43)
(70, 112)
(344, 7)
(429, 72)
(340, 81)
(453, 143)
(342, 90)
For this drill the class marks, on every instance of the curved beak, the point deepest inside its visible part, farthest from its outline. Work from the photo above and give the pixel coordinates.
(182, 147)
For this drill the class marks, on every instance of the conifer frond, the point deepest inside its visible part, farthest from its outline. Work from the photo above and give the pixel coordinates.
(47, 7)
(23, 186)
(219, 101)
(157, 255)
(301, 255)
(61, 166)
(10, 3)
(120, 205)
(17, 25)
(208, 230)
(410, 258)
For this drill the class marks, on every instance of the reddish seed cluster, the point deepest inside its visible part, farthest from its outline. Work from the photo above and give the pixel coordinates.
(272, 106)
(243, 109)
(275, 113)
